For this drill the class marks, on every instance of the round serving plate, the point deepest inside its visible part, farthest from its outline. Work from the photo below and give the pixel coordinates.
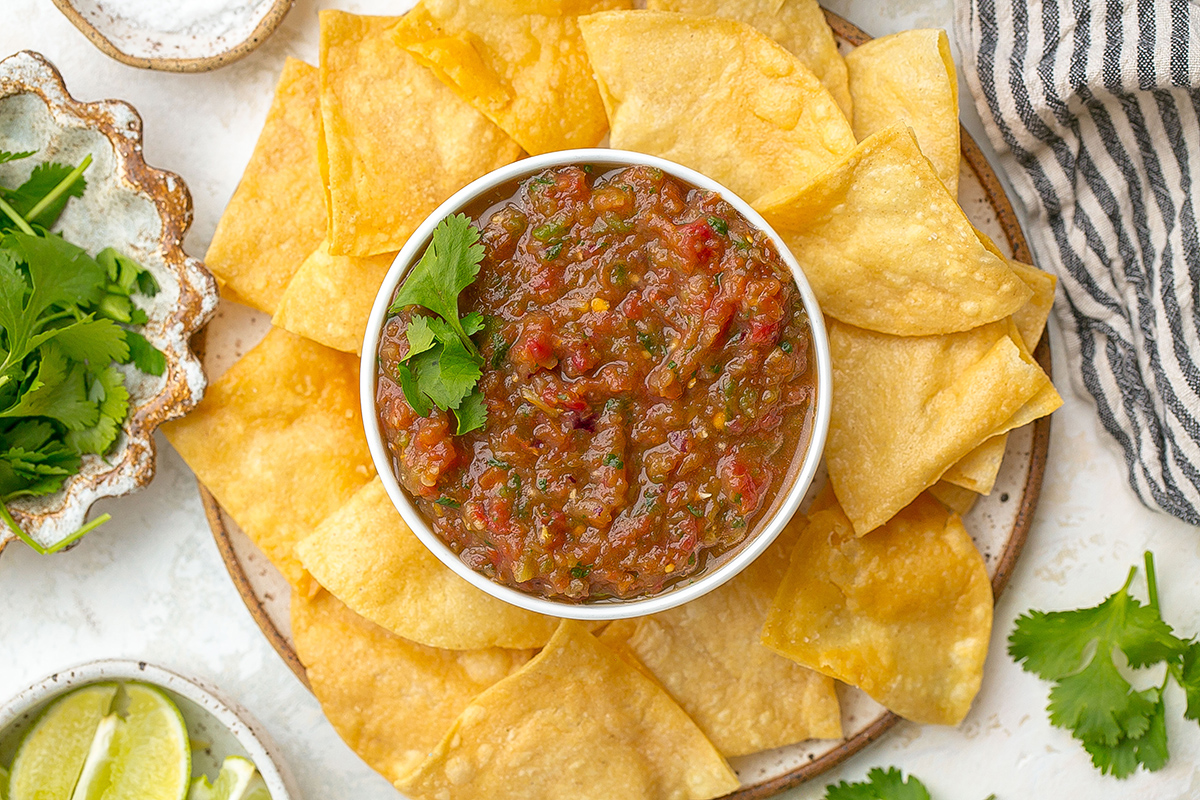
(999, 522)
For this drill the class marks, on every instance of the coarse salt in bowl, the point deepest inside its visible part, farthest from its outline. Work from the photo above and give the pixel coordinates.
(713, 575)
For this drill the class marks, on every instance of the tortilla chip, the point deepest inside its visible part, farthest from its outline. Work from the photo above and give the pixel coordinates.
(528, 73)
(1030, 318)
(798, 25)
(909, 78)
(886, 248)
(279, 442)
(398, 141)
(330, 298)
(369, 558)
(708, 657)
(909, 407)
(575, 722)
(715, 95)
(977, 470)
(904, 614)
(391, 700)
(277, 213)
(955, 498)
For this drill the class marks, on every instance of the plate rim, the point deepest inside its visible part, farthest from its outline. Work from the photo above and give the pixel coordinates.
(1006, 217)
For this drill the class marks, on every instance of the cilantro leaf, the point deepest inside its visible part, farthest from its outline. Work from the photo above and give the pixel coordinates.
(471, 414)
(1098, 705)
(108, 390)
(449, 265)
(420, 335)
(6, 156)
(1189, 679)
(880, 785)
(473, 323)
(143, 355)
(1149, 749)
(45, 179)
(97, 341)
(412, 393)
(445, 374)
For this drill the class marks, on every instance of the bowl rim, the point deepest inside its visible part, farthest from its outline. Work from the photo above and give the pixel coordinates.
(232, 716)
(608, 609)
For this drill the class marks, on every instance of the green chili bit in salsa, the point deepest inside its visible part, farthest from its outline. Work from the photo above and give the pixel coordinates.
(644, 383)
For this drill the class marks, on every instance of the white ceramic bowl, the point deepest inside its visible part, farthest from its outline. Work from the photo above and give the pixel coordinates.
(679, 593)
(226, 728)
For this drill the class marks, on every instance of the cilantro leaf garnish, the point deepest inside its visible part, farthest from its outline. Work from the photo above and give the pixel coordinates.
(1121, 727)
(443, 365)
(881, 784)
(65, 322)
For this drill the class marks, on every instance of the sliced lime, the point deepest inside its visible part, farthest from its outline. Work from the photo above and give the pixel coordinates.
(150, 755)
(51, 756)
(97, 768)
(239, 780)
(3, 784)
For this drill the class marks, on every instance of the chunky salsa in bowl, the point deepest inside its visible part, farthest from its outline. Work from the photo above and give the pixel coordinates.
(601, 388)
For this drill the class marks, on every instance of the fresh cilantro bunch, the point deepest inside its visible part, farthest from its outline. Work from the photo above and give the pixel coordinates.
(65, 321)
(1080, 651)
(443, 364)
(880, 785)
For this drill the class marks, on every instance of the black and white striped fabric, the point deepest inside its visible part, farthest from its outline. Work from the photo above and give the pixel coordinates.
(1094, 107)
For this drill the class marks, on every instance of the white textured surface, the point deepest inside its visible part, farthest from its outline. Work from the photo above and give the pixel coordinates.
(151, 585)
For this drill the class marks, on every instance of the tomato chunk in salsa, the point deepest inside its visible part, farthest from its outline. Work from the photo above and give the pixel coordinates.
(648, 385)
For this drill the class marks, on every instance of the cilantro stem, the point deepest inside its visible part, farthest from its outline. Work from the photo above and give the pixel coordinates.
(36, 547)
(1152, 582)
(17, 218)
(57, 191)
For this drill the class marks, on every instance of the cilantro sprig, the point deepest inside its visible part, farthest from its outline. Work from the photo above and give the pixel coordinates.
(443, 365)
(66, 320)
(1121, 727)
(881, 784)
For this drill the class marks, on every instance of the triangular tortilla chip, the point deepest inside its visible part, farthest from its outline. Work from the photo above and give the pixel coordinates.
(955, 498)
(1030, 318)
(577, 722)
(798, 25)
(391, 700)
(715, 95)
(977, 470)
(886, 248)
(330, 297)
(528, 73)
(910, 406)
(279, 442)
(277, 214)
(708, 657)
(397, 141)
(905, 613)
(909, 78)
(369, 558)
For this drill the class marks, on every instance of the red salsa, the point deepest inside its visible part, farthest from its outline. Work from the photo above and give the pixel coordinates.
(648, 381)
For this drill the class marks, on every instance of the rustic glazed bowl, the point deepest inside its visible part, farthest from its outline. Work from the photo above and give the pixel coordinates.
(144, 213)
(687, 589)
(225, 727)
(201, 46)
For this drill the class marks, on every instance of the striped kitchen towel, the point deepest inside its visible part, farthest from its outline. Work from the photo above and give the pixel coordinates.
(1094, 108)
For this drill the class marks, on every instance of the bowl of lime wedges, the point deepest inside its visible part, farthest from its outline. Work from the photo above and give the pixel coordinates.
(130, 730)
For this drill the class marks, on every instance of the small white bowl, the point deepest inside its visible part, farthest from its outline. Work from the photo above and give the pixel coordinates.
(686, 590)
(225, 728)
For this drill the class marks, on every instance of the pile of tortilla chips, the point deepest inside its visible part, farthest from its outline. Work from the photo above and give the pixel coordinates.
(453, 694)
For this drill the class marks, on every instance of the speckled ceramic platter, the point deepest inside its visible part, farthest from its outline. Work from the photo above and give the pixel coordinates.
(174, 38)
(141, 211)
(217, 727)
(999, 522)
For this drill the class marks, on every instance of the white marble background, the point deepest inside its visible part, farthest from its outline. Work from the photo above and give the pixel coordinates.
(150, 584)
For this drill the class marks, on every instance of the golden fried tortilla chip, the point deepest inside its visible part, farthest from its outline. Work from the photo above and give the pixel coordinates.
(369, 558)
(279, 442)
(1030, 318)
(955, 498)
(277, 213)
(798, 25)
(909, 78)
(528, 73)
(715, 95)
(977, 470)
(708, 657)
(887, 248)
(390, 699)
(905, 614)
(397, 141)
(910, 406)
(330, 298)
(578, 722)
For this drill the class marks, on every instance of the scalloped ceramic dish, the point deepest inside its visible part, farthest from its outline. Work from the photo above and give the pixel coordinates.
(143, 212)
(170, 40)
(219, 726)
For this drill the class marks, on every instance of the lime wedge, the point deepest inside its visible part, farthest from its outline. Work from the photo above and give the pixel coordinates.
(3, 784)
(239, 780)
(51, 756)
(98, 766)
(150, 758)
